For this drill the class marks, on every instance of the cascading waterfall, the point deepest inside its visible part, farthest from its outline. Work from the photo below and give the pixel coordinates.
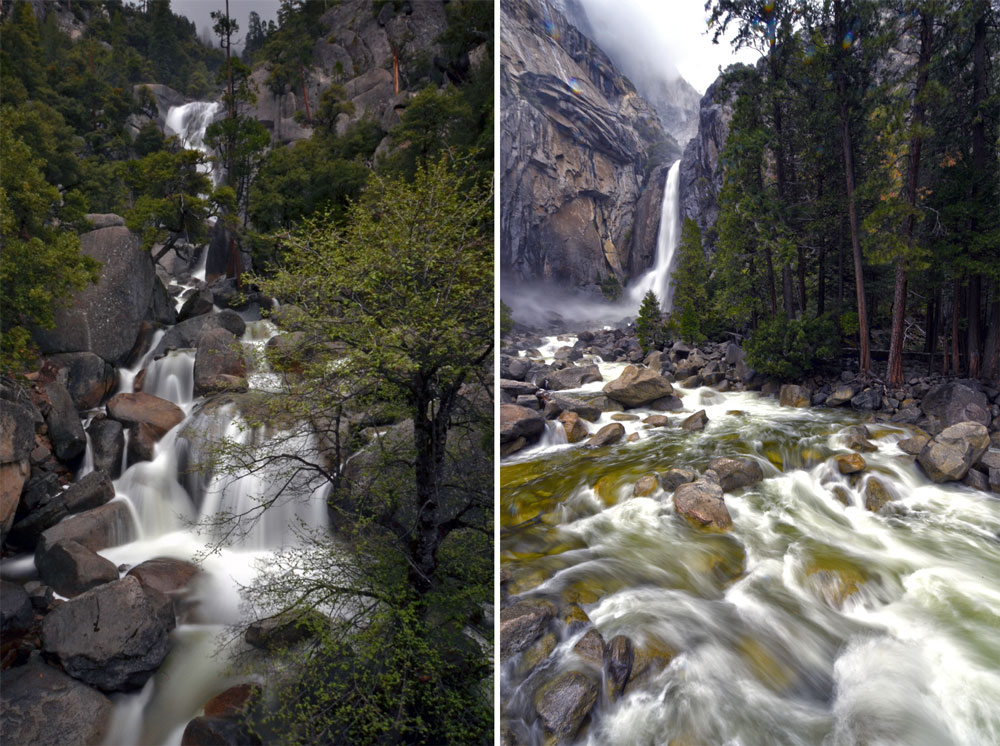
(811, 621)
(657, 279)
(189, 122)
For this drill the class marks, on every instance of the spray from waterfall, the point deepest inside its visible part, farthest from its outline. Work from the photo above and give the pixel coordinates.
(189, 122)
(657, 279)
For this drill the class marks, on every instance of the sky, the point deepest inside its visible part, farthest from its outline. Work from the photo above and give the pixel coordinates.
(200, 11)
(671, 33)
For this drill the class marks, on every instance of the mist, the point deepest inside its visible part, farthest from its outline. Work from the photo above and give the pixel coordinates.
(547, 308)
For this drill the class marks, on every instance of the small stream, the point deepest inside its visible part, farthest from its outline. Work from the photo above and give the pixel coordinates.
(810, 622)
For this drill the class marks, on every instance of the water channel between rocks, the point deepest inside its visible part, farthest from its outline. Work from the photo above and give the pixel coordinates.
(809, 622)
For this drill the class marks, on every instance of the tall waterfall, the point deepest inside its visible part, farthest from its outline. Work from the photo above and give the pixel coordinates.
(657, 279)
(189, 122)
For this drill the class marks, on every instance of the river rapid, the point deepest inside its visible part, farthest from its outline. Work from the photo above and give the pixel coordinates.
(812, 621)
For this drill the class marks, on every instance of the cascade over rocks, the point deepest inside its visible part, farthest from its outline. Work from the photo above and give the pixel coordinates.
(91, 491)
(186, 333)
(572, 378)
(107, 526)
(71, 569)
(219, 364)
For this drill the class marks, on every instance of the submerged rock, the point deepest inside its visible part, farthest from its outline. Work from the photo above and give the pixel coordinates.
(564, 702)
(702, 502)
(876, 495)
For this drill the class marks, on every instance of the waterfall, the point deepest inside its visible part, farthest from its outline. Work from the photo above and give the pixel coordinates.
(189, 122)
(657, 279)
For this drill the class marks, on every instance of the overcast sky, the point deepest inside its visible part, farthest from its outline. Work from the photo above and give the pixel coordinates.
(200, 12)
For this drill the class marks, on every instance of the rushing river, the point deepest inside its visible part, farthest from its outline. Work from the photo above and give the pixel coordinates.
(809, 622)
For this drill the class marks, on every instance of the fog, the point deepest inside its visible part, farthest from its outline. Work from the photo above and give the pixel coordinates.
(549, 309)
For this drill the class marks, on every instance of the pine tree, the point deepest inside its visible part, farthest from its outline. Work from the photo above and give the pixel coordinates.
(649, 324)
(692, 317)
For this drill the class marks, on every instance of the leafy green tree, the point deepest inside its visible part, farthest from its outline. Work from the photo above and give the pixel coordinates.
(649, 325)
(690, 285)
(40, 260)
(790, 349)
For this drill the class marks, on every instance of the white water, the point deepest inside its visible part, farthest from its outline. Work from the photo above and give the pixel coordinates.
(810, 622)
(658, 278)
(189, 122)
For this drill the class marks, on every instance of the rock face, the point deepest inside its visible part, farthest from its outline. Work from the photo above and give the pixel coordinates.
(949, 454)
(702, 502)
(638, 386)
(113, 637)
(575, 144)
(701, 173)
(104, 318)
(43, 706)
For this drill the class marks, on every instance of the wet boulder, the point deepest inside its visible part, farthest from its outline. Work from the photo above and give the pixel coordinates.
(522, 624)
(645, 485)
(219, 364)
(876, 495)
(607, 435)
(165, 574)
(563, 703)
(112, 637)
(913, 446)
(16, 614)
(573, 426)
(109, 525)
(657, 420)
(670, 403)
(702, 502)
(850, 463)
(65, 429)
(842, 393)
(556, 405)
(42, 706)
(695, 422)
(185, 334)
(88, 378)
(794, 396)
(198, 303)
(207, 730)
(107, 441)
(856, 438)
(618, 665)
(572, 377)
(638, 386)
(591, 647)
(671, 479)
(145, 409)
(519, 424)
(949, 454)
(71, 569)
(91, 491)
(949, 403)
(736, 473)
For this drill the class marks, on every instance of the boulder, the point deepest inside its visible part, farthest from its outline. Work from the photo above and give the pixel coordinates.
(521, 624)
(104, 318)
(165, 574)
(65, 429)
(234, 701)
(574, 427)
(856, 438)
(638, 386)
(671, 479)
(518, 388)
(572, 378)
(794, 396)
(107, 526)
(645, 485)
(206, 730)
(17, 432)
(666, 404)
(185, 334)
(517, 422)
(103, 220)
(591, 647)
(949, 454)
(841, 394)
(198, 303)
(702, 502)
(282, 630)
(695, 422)
(91, 491)
(112, 637)
(949, 403)
(513, 368)
(618, 665)
(563, 703)
(556, 405)
(914, 445)
(876, 495)
(219, 364)
(42, 706)
(867, 400)
(528, 400)
(850, 463)
(71, 569)
(657, 420)
(12, 479)
(977, 480)
(607, 435)
(16, 614)
(107, 442)
(736, 473)
(88, 378)
(141, 408)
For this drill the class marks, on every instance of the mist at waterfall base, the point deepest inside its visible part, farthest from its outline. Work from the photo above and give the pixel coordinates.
(811, 622)
(555, 309)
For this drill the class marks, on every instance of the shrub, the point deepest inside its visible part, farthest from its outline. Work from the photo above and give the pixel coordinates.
(791, 349)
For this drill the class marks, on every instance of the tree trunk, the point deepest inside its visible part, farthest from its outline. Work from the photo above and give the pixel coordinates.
(821, 282)
(395, 71)
(972, 312)
(978, 168)
(956, 295)
(305, 95)
(787, 296)
(991, 356)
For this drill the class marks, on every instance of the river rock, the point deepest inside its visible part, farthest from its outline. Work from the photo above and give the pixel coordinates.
(141, 408)
(607, 435)
(914, 445)
(219, 364)
(876, 495)
(17, 440)
(91, 491)
(42, 706)
(702, 502)
(107, 442)
(794, 396)
(65, 429)
(282, 630)
(671, 479)
(977, 480)
(591, 647)
(850, 463)
(88, 378)
(564, 702)
(518, 388)
(234, 701)
(16, 614)
(198, 303)
(165, 574)
(513, 368)
(867, 400)
(618, 665)
(695, 422)
(736, 473)
(521, 624)
(856, 438)
(645, 485)
(669, 403)
(572, 378)
(71, 569)
(185, 334)
(574, 427)
(949, 454)
(113, 637)
(949, 403)
(842, 393)
(638, 386)
(556, 405)
(519, 422)
(206, 730)
(107, 526)
(657, 420)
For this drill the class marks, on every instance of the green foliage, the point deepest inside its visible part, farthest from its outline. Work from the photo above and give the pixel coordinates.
(649, 325)
(790, 349)
(40, 261)
(610, 287)
(506, 320)
(691, 318)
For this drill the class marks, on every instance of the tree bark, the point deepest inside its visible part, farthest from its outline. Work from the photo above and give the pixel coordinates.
(991, 355)
(978, 168)
(305, 95)
(955, 312)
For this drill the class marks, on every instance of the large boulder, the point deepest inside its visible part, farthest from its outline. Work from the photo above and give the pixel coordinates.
(165, 574)
(638, 386)
(107, 526)
(282, 631)
(107, 442)
(564, 702)
(113, 637)
(607, 435)
(955, 401)
(517, 422)
(794, 396)
(16, 613)
(735, 473)
(574, 427)
(572, 377)
(138, 409)
(185, 334)
(198, 303)
(88, 378)
(71, 569)
(556, 405)
(104, 318)
(65, 428)
(948, 455)
(208, 730)
(91, 491)
(42, 706)
(17, 439)
(219, 364)
(702, 502)
(521, 624)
